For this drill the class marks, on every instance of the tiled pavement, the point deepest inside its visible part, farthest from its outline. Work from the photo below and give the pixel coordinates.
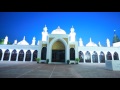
(34, 70)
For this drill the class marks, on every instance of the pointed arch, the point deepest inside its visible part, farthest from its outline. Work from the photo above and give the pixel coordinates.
(87, 57)
(28, 56)
(102, 57)
(58, 52)
(21, 55)
(6, 55)
(72, 54)
(43, 53)
(81, 56)
(13, 55)
(109, 56)
(116, 57)
(95, 57)
(63, 42)
(0, 54)
(35, 55)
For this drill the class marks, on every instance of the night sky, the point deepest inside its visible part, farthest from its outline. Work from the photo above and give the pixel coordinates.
(97, 25)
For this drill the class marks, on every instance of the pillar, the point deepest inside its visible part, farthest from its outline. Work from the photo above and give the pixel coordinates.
(91, 56)
(31, 55)
(17, 54)
(24, 55)
(10, 54)
(84, 56)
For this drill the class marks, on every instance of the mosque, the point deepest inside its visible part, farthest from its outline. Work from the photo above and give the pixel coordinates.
(59, 47)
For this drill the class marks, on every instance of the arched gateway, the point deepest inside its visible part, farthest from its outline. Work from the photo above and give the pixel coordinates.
(58, 50)
(58, 46)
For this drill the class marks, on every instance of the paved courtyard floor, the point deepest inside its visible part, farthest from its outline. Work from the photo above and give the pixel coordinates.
(33, 70)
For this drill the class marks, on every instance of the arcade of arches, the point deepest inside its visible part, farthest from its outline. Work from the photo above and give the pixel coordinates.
(20, 56)
(58, 55)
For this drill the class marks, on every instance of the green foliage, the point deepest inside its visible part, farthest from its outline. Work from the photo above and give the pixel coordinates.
(9, 43)
(77, 59)
(38, 59)
(116, 39)
(1, 41)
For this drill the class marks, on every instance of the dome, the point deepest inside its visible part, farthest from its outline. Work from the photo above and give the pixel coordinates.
(91, 44)
(23, 42)
(58, 31)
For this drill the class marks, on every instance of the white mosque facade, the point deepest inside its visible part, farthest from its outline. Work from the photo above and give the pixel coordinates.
(59, 47)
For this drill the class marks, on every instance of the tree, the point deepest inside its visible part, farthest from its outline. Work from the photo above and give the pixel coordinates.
(9, 43)
(1, 41)
(116, 39)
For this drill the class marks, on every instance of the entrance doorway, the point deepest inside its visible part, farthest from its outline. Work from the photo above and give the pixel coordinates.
(58, 52)
(58, 55)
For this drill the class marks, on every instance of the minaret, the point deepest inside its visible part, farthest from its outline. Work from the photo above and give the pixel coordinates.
(44, 34)
(45, 28)
(72, 34)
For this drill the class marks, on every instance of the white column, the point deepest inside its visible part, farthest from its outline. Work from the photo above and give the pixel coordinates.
(39, 51)
(31, 55)
(24, 55)
(48, 52)
(84, 56)
(3, 51)
(17, 57)
(76, 50)
(112, 53)
(105, 55)
(118, 56)
(91, 56)
(98, 57)
(17, 54)
(67, 53)
(10, 54)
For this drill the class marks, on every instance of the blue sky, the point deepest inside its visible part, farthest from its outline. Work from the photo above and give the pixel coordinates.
(97, 25)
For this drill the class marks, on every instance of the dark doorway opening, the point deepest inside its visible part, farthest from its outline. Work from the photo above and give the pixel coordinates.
(58, 55)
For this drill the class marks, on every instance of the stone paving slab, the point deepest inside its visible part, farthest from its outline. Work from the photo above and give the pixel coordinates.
(34, 70)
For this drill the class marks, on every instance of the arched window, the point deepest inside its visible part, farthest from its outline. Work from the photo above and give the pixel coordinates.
(35, 55)
(116, 57)
(6, 55)
(13, 55)
(81, 56)
(43, 53)
(87, 57)
(0, 54)
(28, 56)
(72, 54)
(109, 56)
(95, 57)
(21, 55)
(102, 57)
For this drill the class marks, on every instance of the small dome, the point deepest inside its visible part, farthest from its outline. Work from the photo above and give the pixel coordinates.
(23, 42)
(58, 31)
(91, 44)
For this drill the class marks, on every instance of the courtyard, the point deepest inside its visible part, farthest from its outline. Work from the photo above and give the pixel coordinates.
(13, 69)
